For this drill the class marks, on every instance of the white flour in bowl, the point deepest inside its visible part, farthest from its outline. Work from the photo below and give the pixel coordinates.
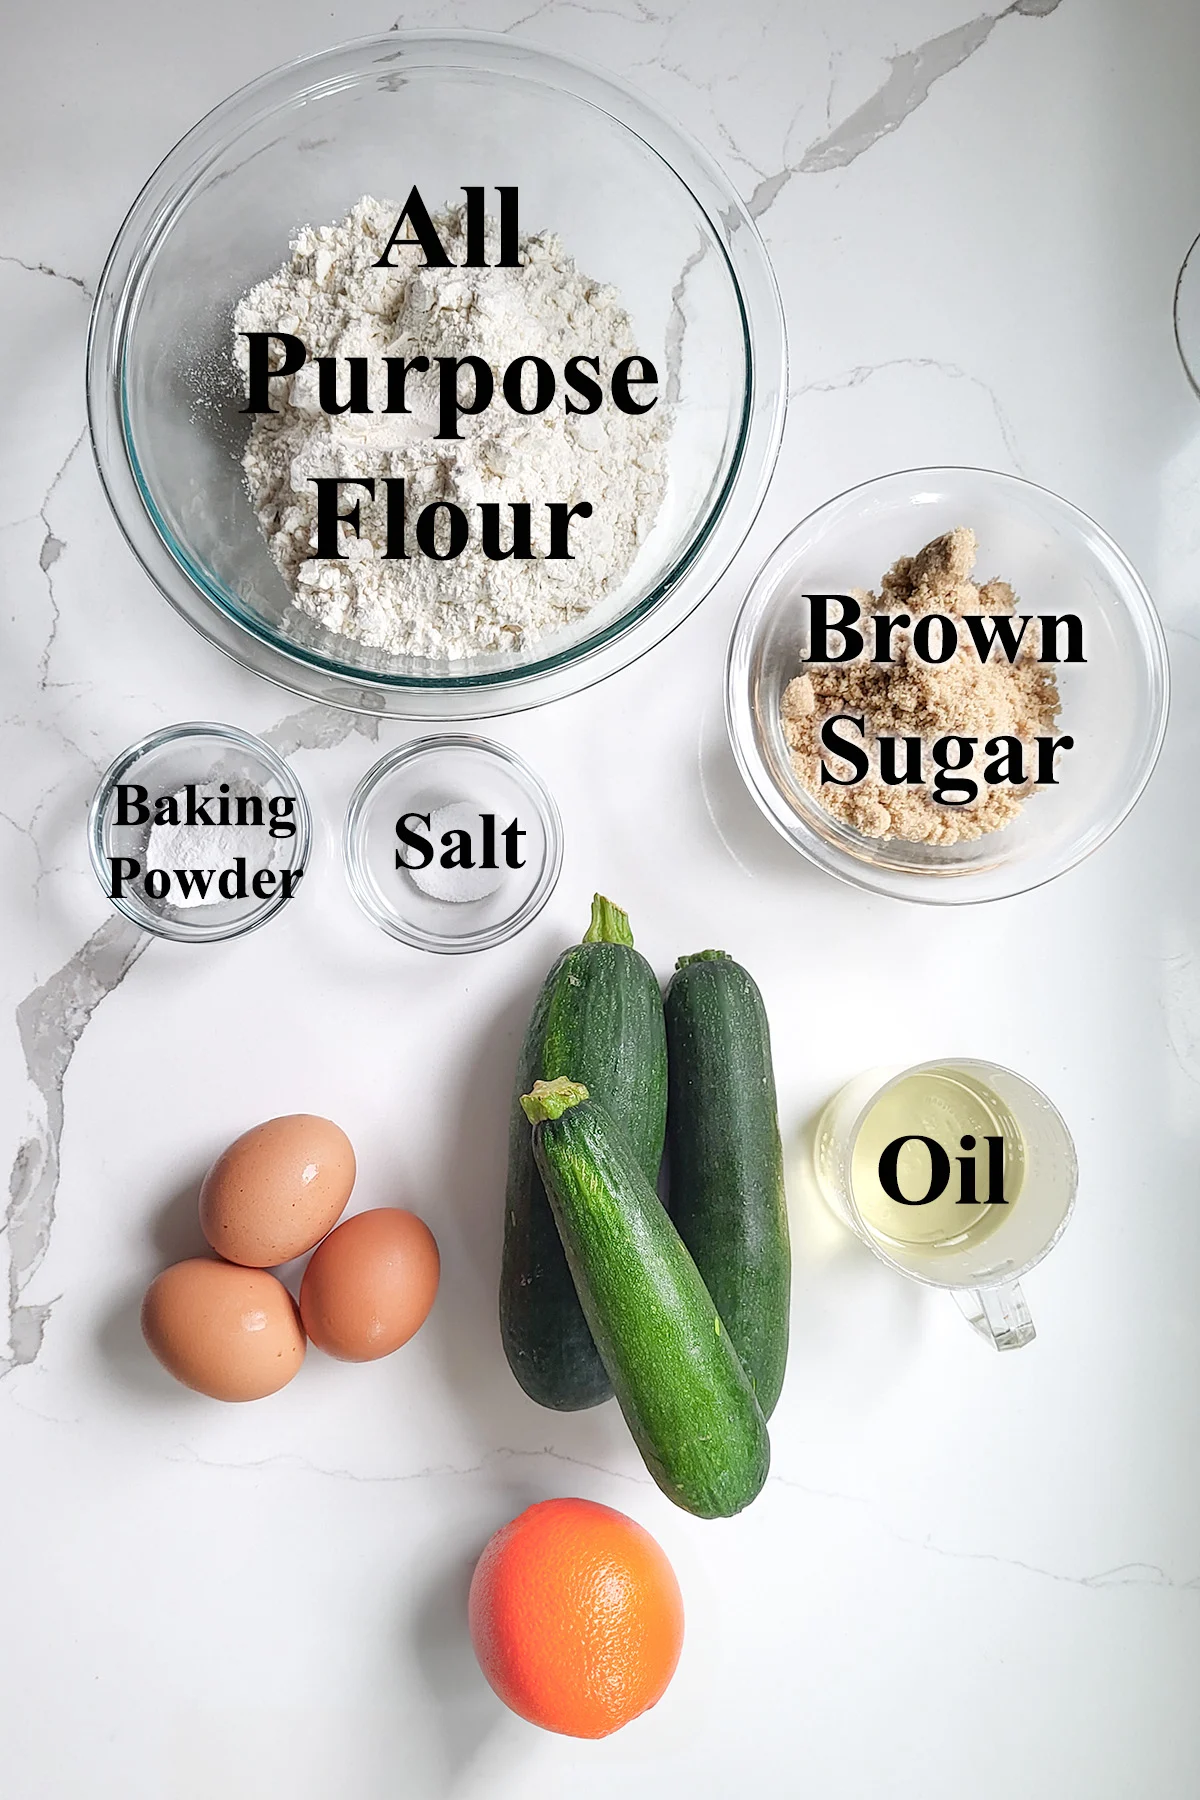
(329, 295)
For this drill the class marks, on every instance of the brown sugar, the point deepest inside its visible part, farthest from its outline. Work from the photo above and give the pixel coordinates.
(909, 697)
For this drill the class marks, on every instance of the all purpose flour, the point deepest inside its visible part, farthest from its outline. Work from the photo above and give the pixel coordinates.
(329, 295)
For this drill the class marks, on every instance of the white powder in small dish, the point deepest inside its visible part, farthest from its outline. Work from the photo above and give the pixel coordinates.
(330, 296)
(211, 847)
(457, 884)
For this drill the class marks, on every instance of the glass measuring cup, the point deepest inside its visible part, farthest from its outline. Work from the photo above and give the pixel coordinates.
(958, 1173)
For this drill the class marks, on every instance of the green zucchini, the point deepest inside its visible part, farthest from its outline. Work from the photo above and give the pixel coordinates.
(725, 1158)
(684, 1394)
(599, 1018)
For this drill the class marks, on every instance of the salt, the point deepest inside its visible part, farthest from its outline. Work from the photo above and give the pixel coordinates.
(456, 884)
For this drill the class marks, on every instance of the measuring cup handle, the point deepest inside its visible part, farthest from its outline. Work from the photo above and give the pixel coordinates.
(999, 1314)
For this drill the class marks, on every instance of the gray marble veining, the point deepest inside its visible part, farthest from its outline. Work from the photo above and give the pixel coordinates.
(50, 1022)
(912, 75)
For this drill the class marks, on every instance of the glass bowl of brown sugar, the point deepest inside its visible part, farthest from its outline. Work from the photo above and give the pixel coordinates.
(947, 685)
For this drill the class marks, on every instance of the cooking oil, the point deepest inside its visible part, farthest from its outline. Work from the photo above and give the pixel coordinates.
(938, 1162)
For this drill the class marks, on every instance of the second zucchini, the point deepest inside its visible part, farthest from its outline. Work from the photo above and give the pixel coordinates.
(726, 1160)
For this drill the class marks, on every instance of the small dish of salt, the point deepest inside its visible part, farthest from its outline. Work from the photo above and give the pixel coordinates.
(452, 844)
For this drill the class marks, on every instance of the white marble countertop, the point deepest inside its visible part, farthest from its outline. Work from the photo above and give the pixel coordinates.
(969, 1573)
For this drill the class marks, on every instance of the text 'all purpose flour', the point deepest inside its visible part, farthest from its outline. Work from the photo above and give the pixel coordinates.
(451, 456)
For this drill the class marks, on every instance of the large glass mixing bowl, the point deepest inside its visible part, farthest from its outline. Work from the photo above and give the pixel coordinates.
(636, 204)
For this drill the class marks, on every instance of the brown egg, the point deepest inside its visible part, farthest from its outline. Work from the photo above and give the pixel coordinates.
(230, 1333)
(277, 1190)
(370, 1285)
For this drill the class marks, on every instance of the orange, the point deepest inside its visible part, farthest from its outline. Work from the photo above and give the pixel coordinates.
(576, 1617)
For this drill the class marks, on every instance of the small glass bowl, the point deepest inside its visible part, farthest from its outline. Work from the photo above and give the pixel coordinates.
(422, 778)
(208, 757)
(1057, 561)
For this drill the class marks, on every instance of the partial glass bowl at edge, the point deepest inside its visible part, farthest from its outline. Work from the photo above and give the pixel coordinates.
(1057, 561)
(636, 203)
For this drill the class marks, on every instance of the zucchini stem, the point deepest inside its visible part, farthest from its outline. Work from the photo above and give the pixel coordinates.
(551, 1099)
(609, 924)
(703, 956)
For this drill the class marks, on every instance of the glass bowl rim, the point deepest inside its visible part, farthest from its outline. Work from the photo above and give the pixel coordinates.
(936, 887)
(1189, 272)
(218, 614)
(530, 782)
(172, 929)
